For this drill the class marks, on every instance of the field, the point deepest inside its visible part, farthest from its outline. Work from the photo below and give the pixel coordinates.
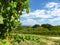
(35, 35)
(28, 39)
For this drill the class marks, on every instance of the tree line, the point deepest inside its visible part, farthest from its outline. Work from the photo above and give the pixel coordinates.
(43, 29)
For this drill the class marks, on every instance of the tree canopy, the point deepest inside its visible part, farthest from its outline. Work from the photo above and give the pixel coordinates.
(11, 10)
(49, 26)
(36, 25)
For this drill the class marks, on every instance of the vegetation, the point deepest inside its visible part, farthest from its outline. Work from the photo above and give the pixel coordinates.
(11, 33)
(35, 26)
(44, 29)
(48, 26)
(10, 10)
(28, 39)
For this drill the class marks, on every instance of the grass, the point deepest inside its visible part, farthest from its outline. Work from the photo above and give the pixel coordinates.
(29, 39)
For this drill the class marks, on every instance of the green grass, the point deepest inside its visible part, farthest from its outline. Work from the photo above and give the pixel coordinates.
(29, 39)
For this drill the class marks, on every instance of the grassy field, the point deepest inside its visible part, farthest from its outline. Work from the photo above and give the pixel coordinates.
(28, 39)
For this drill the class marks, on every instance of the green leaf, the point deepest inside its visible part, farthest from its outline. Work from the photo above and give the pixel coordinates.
(13, 4)
(27, 10)
(8, 8)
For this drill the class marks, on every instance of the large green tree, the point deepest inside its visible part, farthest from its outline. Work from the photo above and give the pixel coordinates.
(48, 26)
(11, 10)
(35, 26)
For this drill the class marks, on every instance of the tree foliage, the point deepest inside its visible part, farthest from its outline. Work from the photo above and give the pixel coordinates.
(11, 10)
(36, 25)
(48, 26)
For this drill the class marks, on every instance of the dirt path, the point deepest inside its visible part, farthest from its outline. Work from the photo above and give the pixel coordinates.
(54, 37)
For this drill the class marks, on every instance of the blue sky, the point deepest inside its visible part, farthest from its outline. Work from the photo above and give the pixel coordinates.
(39, 4)
(42, 12)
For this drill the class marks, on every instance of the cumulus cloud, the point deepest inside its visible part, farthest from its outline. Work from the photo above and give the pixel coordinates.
(29, 22)
(52, 5)
(46, 16)
(55, 12)
(37, 14)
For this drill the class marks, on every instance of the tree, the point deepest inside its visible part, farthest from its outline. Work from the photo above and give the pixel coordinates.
(36, 25)
(48, 26)
(11, 10)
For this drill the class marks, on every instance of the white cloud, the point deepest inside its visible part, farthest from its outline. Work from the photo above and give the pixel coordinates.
(52, 5)
(56, 12)
(29, 22)
(46, 16)
(55, 19)
(37, 14)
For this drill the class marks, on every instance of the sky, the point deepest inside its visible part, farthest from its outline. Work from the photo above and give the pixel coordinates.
(42, 12)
